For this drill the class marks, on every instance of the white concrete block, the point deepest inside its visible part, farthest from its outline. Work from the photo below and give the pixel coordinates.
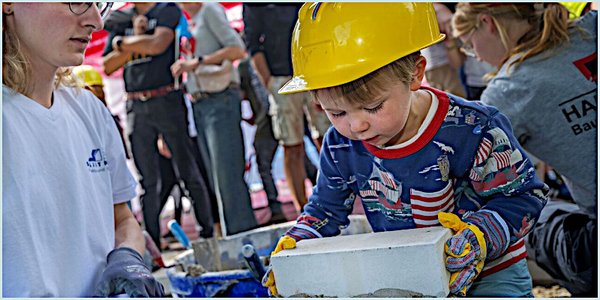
(399, 263)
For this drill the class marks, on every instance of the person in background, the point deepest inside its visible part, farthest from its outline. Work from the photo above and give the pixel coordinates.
(170, 185)
(265, 143)
(578, 9)
(142, 40)
(268, 33)
(92, 81)
(546, 84)
(416, 156)
(473, 73)
(444, 59)
(218, 114)
(66, 227)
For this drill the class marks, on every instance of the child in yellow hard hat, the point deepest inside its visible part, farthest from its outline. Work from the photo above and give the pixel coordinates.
(415, 156)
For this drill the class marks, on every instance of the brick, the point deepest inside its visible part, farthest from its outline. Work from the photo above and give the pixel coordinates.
(401, 263)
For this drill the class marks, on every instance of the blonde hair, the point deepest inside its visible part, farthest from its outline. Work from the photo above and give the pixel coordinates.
(364, 89)
(16, 68)
(549, 25)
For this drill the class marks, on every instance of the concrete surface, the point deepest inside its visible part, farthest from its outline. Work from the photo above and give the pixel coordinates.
(225, 253)
(409, 262)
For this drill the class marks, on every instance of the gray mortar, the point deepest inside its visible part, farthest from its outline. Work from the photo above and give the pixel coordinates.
(225, 253)
(392, 293)
(381, 293)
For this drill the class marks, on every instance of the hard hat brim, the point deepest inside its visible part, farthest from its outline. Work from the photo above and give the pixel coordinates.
(298, 84)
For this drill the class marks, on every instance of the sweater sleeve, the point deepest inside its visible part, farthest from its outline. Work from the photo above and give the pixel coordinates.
(503, 175)
(332, 199)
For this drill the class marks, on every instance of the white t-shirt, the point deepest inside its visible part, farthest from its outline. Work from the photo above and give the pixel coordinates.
(63, 169)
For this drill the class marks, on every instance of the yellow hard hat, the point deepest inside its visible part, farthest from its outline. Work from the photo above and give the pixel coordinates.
(89, 75)
(336, 43)
(575, 8)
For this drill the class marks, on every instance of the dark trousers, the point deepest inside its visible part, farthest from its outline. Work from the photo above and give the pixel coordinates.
(311, 170)
(265, 146)
(165, 115)
(170, 186)
(565, 244)
(171, 183)
(221, 144)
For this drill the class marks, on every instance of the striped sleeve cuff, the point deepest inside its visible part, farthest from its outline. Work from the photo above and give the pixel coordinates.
(306, 228)
(495, 229)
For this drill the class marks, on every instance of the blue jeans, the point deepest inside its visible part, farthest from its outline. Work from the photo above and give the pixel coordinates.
(221, 143)
(514, 281)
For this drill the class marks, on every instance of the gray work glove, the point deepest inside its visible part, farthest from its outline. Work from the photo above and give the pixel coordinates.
(126, 273)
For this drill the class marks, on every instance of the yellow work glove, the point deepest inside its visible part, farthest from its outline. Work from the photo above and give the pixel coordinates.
(284, 243)
(466, 251)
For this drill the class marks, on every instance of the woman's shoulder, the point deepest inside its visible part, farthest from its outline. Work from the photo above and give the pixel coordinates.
(589, 22)
(8, 93)
(69, 93)
(81, 98)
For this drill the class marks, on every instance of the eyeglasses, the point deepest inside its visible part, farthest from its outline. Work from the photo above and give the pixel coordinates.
(467, 47)
(79, 8)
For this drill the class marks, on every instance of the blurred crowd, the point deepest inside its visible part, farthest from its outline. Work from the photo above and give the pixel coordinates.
(192, 54)
(187, 67)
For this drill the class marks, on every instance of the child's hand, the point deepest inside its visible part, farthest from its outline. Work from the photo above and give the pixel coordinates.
(466, 252)
(285, 243)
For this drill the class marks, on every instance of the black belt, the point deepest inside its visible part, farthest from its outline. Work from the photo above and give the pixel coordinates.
(148, 94)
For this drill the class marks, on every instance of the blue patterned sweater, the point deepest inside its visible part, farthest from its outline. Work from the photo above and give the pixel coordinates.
(465, 159)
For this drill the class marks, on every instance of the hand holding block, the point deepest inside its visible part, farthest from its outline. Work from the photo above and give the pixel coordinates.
(410, 262)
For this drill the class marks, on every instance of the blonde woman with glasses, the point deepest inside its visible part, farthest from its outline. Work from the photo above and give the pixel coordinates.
(546, 83)
(66, 227)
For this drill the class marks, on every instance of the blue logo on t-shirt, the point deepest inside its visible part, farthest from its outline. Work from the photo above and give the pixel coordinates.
(97, 161)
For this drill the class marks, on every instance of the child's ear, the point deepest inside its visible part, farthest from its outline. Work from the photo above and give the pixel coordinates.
(418, 74)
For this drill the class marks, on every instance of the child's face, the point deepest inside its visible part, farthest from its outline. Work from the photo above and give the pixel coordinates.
(378, 122)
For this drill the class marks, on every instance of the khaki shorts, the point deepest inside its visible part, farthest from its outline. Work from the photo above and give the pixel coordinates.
(447, 79)
(287, 112)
